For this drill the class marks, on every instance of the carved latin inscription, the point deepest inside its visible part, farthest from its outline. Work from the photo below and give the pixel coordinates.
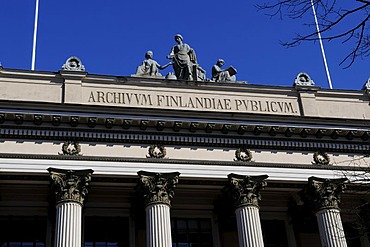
(194, 102)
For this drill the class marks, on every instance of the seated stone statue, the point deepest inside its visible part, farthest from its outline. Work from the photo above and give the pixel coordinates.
(220, 75)
(150, 67)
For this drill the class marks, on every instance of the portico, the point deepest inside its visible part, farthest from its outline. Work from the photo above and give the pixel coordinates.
(137, 161)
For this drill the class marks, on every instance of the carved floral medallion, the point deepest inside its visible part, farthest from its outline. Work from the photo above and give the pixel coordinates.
(156, 151)
(71, 148)
(243, 154)
(321, 158)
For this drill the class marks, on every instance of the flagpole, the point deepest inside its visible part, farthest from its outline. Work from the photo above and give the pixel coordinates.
(35, 36)
(321, 45)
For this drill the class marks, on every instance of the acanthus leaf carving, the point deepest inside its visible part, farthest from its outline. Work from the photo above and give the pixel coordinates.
(70, 185)
(323, 193)
(157, 187)
(245, 190)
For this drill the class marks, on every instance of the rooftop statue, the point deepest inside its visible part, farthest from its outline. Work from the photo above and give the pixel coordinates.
(184, 61)
(303, 79)
(366, 85)
(223, 75)
(74, 64)
(150, 67)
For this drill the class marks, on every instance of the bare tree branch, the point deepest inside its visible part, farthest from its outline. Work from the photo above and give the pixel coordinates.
(332, 16)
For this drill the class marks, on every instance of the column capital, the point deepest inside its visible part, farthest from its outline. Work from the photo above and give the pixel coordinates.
(324, 193)
(245, 190)
(158, 187)
(70, 185)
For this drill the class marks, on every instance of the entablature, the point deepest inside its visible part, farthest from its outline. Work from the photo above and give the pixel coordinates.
(339, 136)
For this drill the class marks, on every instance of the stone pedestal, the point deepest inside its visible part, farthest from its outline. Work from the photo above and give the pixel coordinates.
(245, 191)
(324, 197)
(70, 188)
(157, 190)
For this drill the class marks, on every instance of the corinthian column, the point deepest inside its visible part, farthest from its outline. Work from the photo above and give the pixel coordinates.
(324, 196)
(245, 191)
(158, 190)
(70, 188)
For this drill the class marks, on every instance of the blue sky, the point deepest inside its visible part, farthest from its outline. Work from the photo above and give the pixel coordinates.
(111, 38)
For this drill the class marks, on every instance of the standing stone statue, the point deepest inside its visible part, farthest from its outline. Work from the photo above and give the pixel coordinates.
(150, 67)
(184, 61)
(220, 75)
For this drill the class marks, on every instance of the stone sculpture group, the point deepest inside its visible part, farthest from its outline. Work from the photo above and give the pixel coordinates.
(185, 65)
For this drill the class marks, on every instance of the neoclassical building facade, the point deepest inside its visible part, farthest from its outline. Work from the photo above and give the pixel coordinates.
(94, 160)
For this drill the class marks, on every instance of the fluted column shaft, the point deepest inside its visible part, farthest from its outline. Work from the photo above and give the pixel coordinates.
(158, 225)
(245, 191)
(331, 228)
(249, 227)
(70, 188)
(68, 224)
(324, 197)
(157, 190)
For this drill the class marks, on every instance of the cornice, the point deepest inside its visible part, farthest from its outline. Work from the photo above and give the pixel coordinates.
(18, 73)
(344, 136)
(145, 135)
(336, 93)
